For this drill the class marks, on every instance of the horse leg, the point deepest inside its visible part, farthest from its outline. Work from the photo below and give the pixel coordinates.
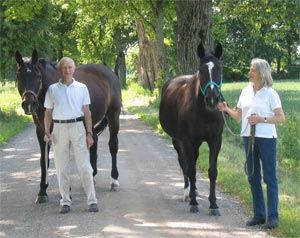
(182, 162)
(113, 148)
(93, 154)
(191, 171)
(214, 149)
(42, 195)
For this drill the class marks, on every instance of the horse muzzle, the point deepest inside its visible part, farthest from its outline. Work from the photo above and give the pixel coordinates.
(29, 102)
(212, 99)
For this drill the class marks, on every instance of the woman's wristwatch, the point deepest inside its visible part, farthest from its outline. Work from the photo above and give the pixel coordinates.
(89, 132)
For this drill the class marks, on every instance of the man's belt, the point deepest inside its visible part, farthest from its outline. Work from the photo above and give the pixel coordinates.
(68, 121)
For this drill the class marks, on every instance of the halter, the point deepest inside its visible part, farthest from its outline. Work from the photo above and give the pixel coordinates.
(210, 65)
(26, 92)
(29, 92)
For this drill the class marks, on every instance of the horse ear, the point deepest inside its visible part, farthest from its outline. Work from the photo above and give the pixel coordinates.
(218, 51)
(201, 50)
(34, 57)
(19, 58)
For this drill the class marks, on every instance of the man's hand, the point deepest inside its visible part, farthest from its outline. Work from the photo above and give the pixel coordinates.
(89, 140)
(47, 138)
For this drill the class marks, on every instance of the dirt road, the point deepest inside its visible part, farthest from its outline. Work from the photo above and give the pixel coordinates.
(148, 203)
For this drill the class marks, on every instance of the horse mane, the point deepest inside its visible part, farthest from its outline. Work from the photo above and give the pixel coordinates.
(44, 63)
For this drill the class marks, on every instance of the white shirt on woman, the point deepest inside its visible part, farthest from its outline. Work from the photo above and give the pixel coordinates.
(262, 103)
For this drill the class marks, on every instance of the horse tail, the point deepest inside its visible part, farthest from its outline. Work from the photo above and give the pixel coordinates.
(100, 126)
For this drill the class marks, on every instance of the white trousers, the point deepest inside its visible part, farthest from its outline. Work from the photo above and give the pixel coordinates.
(64, 135)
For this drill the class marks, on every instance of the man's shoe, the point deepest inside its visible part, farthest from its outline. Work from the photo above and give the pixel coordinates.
(255, 221)
(64, 209)
(271, 224)
(93, 208)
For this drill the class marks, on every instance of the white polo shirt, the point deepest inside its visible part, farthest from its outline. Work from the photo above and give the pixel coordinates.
(263, 104)
(67, 101)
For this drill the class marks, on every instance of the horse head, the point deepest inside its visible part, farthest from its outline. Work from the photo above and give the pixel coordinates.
(210, 73)
(29, 81)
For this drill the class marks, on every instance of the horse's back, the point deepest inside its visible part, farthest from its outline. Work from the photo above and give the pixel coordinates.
(104, 88)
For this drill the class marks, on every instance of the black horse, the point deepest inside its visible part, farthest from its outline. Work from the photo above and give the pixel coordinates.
(188, 113)
(34, 76)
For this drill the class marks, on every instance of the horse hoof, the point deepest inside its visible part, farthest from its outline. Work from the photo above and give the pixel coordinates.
(194, 209)
(42, 199)
(114, 184)
(215, 212)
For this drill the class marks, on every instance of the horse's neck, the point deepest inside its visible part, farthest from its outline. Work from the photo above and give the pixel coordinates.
(49, 76)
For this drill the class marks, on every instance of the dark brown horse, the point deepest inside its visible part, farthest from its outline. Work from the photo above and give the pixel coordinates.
(188, 113)
(33, 79)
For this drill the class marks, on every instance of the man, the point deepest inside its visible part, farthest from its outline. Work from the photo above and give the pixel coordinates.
(67, 105)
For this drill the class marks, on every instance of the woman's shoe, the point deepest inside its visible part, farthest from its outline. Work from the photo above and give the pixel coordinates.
(271, 224)
(255, 221)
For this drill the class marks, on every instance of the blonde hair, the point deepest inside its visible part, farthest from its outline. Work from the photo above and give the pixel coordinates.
(66, 59)
(264, 70)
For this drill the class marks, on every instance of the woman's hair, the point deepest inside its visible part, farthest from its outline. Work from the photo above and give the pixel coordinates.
(66, 59)
(264, 70)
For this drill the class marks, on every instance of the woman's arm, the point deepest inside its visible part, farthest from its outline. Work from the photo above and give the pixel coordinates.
(235, 114)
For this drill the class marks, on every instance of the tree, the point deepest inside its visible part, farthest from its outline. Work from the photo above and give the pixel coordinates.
(24, 26)
(194, 25)
(268, 29)
(152, 61)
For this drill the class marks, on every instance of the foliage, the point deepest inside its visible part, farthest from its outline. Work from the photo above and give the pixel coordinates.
(267, 29)
(87, 31)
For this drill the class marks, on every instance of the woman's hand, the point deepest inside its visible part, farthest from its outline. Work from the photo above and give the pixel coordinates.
(222, 106)
(253, 119)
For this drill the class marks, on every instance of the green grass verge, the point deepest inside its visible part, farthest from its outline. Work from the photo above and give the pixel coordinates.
(12, 118)
(231, 176)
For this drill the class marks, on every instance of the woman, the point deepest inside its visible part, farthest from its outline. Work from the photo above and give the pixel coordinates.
(259, 108)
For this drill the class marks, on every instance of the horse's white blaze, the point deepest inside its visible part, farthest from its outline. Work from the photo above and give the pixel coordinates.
(210, 66)
(28, 70)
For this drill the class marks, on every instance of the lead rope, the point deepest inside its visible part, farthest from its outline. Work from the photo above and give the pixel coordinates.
(250, 145)
(250, 148)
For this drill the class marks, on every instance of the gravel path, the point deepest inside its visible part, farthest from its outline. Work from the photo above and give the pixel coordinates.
(148, 203)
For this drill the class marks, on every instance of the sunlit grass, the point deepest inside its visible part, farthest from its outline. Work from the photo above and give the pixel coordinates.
(12, 118)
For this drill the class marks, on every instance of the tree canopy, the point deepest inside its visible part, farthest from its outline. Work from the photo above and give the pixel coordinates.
(103, 31)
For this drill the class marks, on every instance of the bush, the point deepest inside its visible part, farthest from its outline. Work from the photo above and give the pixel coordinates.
(233, 75)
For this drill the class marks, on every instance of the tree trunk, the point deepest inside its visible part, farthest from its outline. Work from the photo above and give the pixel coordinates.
(147, 62)
(161, 52)
(194, 25)
(120, 64)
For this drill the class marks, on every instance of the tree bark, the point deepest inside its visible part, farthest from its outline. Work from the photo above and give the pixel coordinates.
(161, 52)
(194, 25)
(120, 64)
(147, 62)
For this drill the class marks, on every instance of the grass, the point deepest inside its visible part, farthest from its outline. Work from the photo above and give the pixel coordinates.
(12, 118)
(231, 176)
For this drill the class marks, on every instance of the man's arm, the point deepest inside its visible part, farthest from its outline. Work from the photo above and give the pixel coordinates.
(88, 124)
